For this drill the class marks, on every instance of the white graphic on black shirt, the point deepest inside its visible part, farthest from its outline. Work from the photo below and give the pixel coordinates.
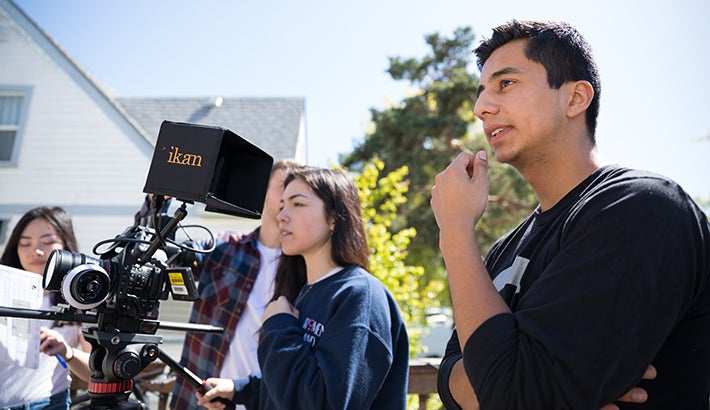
(508, 281)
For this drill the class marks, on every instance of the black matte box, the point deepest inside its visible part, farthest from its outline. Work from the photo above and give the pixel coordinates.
(211, 165)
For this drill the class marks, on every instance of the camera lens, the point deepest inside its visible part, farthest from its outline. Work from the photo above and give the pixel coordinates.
(86, 286)
(58, 264)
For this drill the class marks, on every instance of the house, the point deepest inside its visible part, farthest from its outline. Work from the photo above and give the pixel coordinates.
(65, 140)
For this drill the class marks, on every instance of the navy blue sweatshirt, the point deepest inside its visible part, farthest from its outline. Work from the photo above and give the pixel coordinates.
(347, 350)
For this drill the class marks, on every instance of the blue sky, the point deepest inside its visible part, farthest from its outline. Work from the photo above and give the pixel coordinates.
(653, 58)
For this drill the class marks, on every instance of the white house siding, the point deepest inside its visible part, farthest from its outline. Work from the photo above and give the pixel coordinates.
(70, 147)
(73, 150)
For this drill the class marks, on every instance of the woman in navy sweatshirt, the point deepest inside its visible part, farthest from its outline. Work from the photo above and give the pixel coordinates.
(333, 337)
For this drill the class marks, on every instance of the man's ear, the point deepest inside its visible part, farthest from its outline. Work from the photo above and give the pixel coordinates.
(581, 95)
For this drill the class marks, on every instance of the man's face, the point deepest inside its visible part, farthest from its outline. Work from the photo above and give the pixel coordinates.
(522, 116)
(273, 194)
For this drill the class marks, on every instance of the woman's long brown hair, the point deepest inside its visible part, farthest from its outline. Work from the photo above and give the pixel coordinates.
(349, 243)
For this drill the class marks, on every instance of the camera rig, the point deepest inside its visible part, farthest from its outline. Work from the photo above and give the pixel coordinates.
(120, 291)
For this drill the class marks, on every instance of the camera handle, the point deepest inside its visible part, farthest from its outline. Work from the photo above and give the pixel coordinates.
(178, 216)
(65, 316)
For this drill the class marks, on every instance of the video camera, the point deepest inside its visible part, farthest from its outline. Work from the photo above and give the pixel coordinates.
(121, 278)
(121, 290)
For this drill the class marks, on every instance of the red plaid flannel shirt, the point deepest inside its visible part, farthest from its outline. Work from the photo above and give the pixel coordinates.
(225, 282)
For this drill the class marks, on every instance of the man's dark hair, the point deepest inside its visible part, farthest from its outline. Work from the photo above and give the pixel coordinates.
(559, 47)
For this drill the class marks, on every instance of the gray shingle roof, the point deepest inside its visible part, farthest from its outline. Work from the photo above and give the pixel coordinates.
(274, 124)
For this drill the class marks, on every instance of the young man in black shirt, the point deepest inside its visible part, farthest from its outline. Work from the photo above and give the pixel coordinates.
(608, 275)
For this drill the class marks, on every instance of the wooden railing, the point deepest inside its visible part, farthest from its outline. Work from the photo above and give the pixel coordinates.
(422, 381)
(422, 378)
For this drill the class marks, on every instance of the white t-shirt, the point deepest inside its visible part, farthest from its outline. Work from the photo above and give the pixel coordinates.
(241, 361)
(19, 384)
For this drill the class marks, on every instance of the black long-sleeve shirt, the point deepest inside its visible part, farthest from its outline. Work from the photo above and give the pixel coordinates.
(612, 278)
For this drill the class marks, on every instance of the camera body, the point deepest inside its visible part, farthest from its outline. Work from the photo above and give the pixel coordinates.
(120, 283)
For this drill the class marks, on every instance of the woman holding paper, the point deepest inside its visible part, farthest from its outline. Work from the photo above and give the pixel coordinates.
(39, 232)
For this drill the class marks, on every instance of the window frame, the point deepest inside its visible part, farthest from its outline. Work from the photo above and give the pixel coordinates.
(26, 93)
(4, 223)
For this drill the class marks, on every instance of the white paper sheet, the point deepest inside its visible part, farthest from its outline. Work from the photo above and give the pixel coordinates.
(19, 337)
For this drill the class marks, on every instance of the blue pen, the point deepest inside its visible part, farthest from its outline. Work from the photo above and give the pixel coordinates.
(61, 361)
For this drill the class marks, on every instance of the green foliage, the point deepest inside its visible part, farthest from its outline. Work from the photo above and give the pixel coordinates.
(381, 197)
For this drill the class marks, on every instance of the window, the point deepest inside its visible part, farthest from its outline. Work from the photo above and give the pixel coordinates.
(3, 230)
(13, 110)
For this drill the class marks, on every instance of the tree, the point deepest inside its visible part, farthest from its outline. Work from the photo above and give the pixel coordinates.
(381, 197)
(425, 132)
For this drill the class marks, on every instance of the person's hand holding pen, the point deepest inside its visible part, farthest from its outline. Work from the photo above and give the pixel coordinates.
(53, 344)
